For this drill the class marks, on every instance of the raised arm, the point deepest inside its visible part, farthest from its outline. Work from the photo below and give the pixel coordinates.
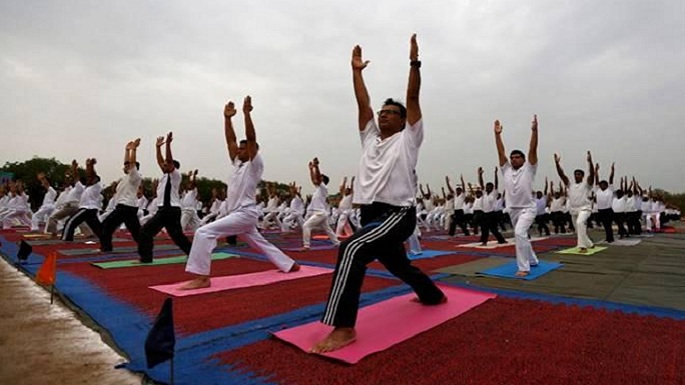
(75, 172)
(158, 148)
(423, 194)
(496, 179)
(449, 187)
(463, 185)
(597, 174)
(480, 178)
(546, 192)
(343, 186)
(169, 158)
(444, 196)
(413, 106)
(611, 175)
(314, 172)
(352, 186)
(533, 149)
(250, 133)
(229, 133)
(590, 169)
(560, 171)
(360, 92)
(500, 145)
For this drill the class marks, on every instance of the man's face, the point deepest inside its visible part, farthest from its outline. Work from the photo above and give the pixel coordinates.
(516, 160)
(539, 194)
(127, 168)
(578, 176)
(489, 187)
(603, 185)
(389, 119)
(242, 152)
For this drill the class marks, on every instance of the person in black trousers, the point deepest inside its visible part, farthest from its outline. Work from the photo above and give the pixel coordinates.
(168, 214)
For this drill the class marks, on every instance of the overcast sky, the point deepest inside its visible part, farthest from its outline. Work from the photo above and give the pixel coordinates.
(79, 79)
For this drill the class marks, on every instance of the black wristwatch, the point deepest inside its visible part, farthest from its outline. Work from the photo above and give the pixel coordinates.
(415, 63)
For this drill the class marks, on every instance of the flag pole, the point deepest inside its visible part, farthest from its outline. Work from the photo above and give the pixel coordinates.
(172, 370)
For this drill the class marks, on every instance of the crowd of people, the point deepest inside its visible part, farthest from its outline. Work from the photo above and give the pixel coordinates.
(380, 208)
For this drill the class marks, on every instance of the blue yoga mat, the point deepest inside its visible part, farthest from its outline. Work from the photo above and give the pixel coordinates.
(509, 270)
(429, 254)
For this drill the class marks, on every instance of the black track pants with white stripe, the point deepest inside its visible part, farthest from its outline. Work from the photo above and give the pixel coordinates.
(90, 216)
(384, 230)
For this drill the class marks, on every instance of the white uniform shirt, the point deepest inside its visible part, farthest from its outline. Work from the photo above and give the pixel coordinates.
(477, 204)
(175, 178)
(318, 202)
(49, 198)
(605, 198)
(499, 204)
(459, 201)
(518, 185)
(242, 186)
(127, 189)
(62, 197)
(630, 204)
(557, 205)
(579, 196)
(541, 205)
(619, 205)
(297, 205)
(74, 196)
(489, 201)
(386, 169)
(272, 206)
(189, 201)
(91, 197)
(346, 202)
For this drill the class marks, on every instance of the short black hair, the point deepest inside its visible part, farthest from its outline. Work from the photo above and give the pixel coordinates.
(392, 102)
(176, 163)
(245, 141)
(324, 179)
(137, 164)
(580, 171)
(518, 152)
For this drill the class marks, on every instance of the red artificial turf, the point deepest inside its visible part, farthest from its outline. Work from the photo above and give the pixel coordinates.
(214, 310)
(503, 341)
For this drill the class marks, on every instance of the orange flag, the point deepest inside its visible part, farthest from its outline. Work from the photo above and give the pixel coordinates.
(46, 274)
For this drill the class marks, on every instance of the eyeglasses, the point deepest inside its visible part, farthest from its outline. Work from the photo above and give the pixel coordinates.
(388, 112)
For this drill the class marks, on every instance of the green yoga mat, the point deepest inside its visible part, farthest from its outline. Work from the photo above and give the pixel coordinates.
(576, 250)
(157, 261)
(117, 250)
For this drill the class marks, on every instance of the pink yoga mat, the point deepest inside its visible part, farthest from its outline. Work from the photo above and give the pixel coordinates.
(387, 323)
(245, 280)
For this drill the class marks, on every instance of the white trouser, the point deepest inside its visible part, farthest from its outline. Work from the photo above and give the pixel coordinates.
(522, 219)
(15, 217)
(189, 219)
(41, 216)
(343, 228)
(414, 244)
(580, 220)
(318, 219)
(272, 216)
(243, 223)
(656, 220)
(290, 220)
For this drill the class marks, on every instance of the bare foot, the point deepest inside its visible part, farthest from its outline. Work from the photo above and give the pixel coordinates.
(295, 267)
(338, 338)
(198, 283)
(522, 273)
(304, 248)
(582, 250)
(483, 243)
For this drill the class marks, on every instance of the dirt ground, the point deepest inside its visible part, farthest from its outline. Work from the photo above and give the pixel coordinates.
(47, 344)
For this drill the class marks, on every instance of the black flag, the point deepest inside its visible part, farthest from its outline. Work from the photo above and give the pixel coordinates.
(24, 251)
(160, 341)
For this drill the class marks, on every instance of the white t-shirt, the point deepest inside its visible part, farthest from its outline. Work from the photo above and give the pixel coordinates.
(459, 201)
(605, 198)
(74, 195)
(242, 186)
(477, 204)
(518, 185)
(386, 168)
(579, 196)
(619, 205)
(62, 197)
(630, 204)
(189, 201)
(297, 205)
(127, 189)
(541, 205)
(489, 201)
(557, 205)
(318, 202)
(272, 205)
(175, 178)
(91, 197)
(49, 198)
(346, 202)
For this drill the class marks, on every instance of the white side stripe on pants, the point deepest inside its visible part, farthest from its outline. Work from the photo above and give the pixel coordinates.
(346, 263)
